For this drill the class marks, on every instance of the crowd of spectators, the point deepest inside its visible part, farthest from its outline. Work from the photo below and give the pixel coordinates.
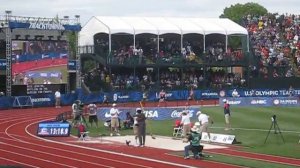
(168, 79)
(217, 53)
(275, 40)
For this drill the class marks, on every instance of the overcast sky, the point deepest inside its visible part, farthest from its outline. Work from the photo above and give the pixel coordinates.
(88, 8)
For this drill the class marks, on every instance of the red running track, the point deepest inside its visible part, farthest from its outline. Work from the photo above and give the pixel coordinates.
(19, 146)
(23, 67)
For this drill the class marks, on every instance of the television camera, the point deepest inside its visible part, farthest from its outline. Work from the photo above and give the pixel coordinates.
(276, 128)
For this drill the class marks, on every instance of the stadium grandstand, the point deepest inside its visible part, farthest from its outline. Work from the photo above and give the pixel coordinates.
(178, 53)
(120, 56)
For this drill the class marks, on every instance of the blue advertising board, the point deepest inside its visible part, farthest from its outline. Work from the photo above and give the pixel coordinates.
(53, 129)
(261, 101)
(44, 26)
(259, 93)
(72, 65)
(151, 113)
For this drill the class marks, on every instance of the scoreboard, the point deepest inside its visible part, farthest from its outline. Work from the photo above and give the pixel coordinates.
(21, 90)
(53, 129)
(39, 89)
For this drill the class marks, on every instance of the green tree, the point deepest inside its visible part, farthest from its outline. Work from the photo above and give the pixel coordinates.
(238, 11)
(71, 37)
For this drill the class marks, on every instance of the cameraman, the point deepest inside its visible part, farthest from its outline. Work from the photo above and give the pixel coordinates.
(77, 109)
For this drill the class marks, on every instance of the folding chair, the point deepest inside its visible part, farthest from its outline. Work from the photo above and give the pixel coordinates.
(177, 131)
(83, 136)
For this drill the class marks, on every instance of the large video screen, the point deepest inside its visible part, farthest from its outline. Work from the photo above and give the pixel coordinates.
(39, 62)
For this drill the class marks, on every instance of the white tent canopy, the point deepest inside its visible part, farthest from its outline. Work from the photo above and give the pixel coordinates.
(157, 26)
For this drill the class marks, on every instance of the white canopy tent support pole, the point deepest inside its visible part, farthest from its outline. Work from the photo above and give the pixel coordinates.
(134, 41)
(248, 47)
(109, 42)
(157, 44)
(181, 43)
(204, 49)
(226, 43)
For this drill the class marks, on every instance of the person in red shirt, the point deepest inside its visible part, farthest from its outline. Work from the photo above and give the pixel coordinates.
(81, 130)
(227, 114)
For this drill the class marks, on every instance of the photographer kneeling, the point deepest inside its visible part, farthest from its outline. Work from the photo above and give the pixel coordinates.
(194, 138)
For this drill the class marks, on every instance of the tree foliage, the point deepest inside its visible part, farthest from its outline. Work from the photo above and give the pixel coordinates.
(238, 11)
(72, 37)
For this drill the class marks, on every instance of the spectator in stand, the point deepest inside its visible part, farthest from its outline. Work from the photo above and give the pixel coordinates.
(105, 100)
(191, 95)
(235, 93)
(291, 91)
(162, 97)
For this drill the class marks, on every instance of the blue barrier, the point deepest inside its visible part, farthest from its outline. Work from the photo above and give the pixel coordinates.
(151, 113)
(260, 96)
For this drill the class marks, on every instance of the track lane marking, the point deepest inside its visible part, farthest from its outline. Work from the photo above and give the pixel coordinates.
(36, 158)
(110, 152)
(22, 163)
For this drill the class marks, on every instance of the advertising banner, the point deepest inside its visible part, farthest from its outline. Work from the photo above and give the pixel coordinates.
(218, 138)
(72, 65)
(43, 26)
(261, 101)
(259, 93)
(151, 113)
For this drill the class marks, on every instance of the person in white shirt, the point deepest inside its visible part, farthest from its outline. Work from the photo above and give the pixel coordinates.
(204, 122)
(92, 111)
(235, 93)
(57, 99)
(114, 120)
(186, 123)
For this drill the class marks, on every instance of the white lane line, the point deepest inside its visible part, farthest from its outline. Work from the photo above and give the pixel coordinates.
(78, 153)
(6, 130)
(21, 163)
(35, 158)
(110, 152)
(46, 153)
(256, 129)
(19, 140)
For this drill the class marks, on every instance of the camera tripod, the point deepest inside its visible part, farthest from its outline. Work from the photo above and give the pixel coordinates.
(276, 128)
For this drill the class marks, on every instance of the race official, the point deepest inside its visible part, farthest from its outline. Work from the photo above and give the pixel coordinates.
(114, 120)
(204, 121)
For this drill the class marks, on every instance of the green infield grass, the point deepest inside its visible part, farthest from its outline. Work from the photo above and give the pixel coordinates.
(251, 127)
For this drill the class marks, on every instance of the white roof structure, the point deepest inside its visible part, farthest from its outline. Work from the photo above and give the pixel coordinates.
(157, 26)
